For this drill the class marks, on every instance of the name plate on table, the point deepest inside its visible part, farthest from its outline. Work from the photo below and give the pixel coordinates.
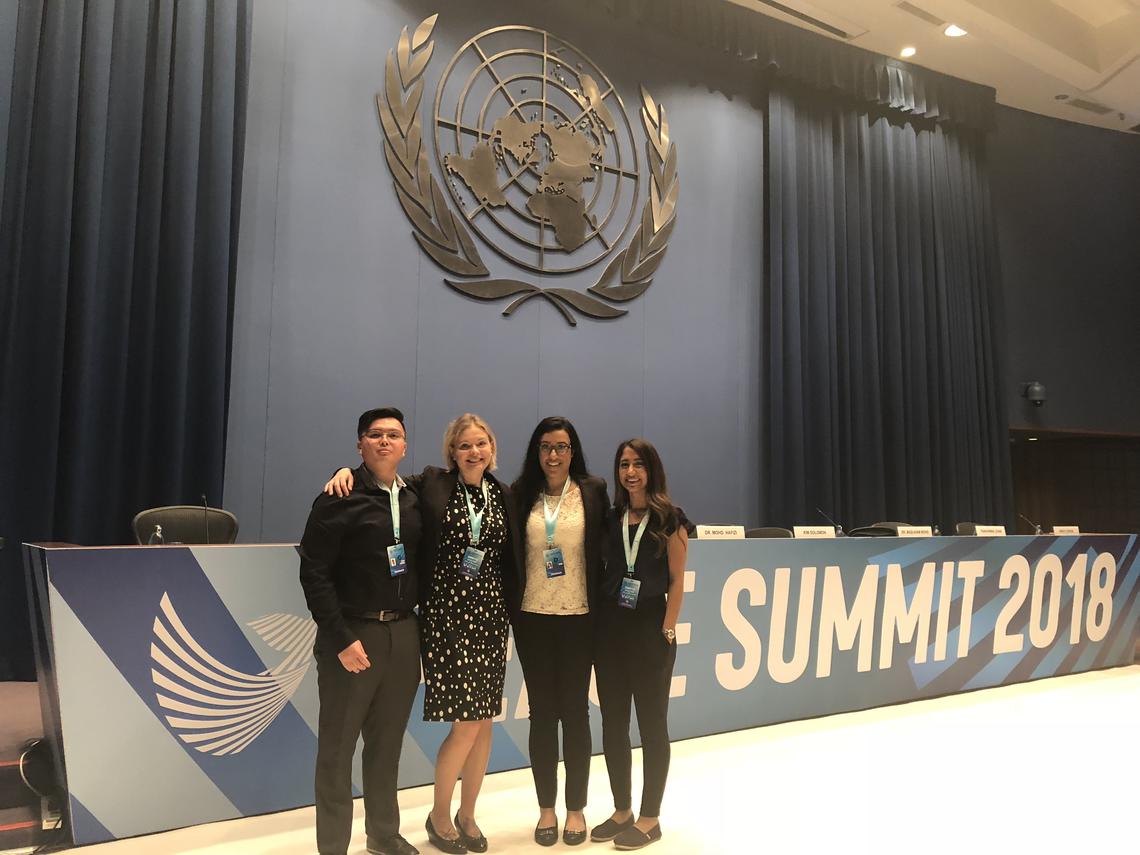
(915, 531)
(813, 532)
(989, 530)
(1066, 529)
(720, 532)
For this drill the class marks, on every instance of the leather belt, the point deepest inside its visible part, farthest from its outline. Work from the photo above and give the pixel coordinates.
(384, 616)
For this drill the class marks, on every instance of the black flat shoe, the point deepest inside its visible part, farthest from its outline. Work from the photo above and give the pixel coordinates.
(634, 838)
(573, 838)
(609, 829)
(546, 836)
(473, 844)
(443, 844)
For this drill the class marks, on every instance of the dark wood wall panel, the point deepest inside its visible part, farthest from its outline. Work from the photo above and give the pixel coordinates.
(1090, 481)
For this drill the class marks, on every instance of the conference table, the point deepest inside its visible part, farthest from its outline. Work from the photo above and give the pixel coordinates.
(178, 688)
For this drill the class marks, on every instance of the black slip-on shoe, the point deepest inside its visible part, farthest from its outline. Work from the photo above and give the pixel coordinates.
(573, 838)
(443, 844)
(473, 844)
(609, 829)
(547, 836)
(634, 838)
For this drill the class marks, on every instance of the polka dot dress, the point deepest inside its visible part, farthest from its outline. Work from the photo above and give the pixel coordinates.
(465, 622)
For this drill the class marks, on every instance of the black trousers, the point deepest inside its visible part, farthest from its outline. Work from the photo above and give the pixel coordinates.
(556, 653)
(634, 662)
(375, 704)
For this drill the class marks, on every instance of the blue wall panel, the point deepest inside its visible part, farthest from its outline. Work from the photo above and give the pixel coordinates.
(338, 310)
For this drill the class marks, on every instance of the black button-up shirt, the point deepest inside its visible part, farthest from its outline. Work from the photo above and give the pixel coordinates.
(344, 556)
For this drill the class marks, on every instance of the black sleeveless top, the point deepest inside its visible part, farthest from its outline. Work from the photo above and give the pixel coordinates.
(651, 569)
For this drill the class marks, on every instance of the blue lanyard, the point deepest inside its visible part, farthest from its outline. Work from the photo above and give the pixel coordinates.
(552, 521)
(476, 519)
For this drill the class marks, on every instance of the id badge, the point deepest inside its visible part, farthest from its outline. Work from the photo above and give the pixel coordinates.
(627, 596)
(552, 559)
(472, 561)
(397, 560)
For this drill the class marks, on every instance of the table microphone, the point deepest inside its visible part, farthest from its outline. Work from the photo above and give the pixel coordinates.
(206, 518)
(838, 527)
(1036, 526)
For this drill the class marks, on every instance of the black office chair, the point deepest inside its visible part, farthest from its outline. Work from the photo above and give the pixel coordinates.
(966, 528)
(873, 531)
(768, 531)
(893, 526)
(186, 524)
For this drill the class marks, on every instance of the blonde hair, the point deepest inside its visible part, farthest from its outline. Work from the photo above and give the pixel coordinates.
(451, 438)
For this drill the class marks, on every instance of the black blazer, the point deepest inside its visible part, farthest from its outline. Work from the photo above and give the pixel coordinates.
(434, 486)
(595, 503)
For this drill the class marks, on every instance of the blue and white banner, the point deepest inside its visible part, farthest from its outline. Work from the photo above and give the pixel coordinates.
(186, 692)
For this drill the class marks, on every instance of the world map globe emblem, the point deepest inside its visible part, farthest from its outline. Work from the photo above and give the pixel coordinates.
(538, 154)
(536, 148)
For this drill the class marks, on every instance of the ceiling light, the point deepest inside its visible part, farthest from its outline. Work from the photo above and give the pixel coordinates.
(1033, 439)
(907, 52)
(953, 31)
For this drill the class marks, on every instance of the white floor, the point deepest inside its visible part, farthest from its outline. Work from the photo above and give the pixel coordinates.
(1045, 767)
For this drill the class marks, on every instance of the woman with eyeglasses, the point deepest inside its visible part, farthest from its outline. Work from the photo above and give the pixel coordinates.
(561, 509)
(641, 592)
(467, 559)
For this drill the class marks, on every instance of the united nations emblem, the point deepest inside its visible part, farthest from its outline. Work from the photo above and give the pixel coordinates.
(540, 158)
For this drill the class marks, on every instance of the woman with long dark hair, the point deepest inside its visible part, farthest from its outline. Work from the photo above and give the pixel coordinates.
(561, 510)
(641, 593)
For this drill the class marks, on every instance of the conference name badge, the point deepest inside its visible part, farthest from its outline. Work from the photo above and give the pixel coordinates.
(552, 559)
(472, 561)
(397, 560)
(627, 596)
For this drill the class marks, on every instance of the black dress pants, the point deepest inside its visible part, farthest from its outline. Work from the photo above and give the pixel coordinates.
(634, 662)
(556, 654)
(374, 703)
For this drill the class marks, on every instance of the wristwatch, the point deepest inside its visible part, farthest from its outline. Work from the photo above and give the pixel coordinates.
(670, 635)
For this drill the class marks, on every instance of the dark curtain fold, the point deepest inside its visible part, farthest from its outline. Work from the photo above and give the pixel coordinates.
(118, 230)
(809, 58)
(882, 311)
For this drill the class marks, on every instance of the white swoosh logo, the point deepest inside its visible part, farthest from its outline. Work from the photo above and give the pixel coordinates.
(214, 708)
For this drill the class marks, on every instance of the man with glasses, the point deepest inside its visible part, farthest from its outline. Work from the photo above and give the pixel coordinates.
(358, 570)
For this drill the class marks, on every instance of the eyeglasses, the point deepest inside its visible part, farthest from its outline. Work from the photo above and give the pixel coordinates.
(390, 435)
(559, 448)
(481, 445)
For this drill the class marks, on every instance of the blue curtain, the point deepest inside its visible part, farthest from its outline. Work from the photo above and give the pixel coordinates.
(118, 227)
(881, 381)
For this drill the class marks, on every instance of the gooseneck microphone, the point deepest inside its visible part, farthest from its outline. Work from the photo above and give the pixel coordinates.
(206, 518)
(838, 527)
(1036, 526)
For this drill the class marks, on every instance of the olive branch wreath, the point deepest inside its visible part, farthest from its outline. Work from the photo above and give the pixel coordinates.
(444, 236)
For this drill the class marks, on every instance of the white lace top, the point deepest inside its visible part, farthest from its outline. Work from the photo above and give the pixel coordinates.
(564, 595)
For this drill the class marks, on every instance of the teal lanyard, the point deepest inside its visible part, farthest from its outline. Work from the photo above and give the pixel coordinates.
(394, 500)
(631, 550)
(476, 519)
(552, 520)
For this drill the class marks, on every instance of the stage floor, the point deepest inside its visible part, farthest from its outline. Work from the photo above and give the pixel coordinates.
(1040, 767)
